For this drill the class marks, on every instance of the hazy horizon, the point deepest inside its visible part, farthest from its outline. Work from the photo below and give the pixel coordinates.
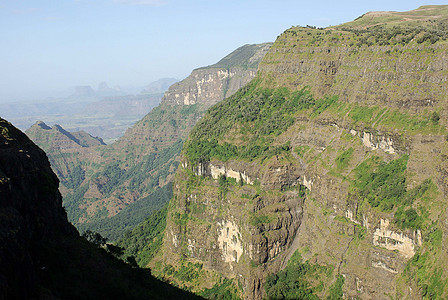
(51, 46)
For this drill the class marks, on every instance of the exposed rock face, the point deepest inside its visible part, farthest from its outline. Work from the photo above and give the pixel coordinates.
(244, 217)
(212, 84)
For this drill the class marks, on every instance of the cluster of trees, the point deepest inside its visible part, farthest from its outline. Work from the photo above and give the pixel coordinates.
(295, 281)
(387, 35)
(115, 227)
(145, 239)
(383, 185)
(260, 114)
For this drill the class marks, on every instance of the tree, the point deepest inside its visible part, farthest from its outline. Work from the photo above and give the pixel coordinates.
(94, 237)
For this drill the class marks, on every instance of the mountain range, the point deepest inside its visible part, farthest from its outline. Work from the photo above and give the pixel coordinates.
(311, 168)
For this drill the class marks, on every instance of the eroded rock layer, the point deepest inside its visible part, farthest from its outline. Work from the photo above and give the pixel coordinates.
(333, 160)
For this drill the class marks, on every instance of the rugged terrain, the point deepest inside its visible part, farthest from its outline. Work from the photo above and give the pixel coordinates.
(41, 253)
(105, 112)
(115, 187)
(326, 175)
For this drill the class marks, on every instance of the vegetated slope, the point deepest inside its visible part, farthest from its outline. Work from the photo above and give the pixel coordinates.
(41, 253)
(122, 183)
(326, 175)
(65, 151)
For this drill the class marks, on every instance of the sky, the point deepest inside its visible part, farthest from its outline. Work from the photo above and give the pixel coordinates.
(49, 46)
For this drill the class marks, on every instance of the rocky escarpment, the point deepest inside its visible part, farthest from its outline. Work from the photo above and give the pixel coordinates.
(335, 153)
(209, 85)
(41, 254)
(357, 64)
(111, 188)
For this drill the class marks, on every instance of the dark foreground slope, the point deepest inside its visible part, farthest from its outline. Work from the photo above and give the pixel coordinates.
(41, 254)
(326, 176)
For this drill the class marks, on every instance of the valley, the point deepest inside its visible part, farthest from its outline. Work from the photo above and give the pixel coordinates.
(314, 167)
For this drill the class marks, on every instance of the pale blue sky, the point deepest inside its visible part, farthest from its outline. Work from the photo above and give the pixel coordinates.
(52, 45)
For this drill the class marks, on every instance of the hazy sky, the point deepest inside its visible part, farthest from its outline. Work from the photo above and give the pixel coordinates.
(51, 45)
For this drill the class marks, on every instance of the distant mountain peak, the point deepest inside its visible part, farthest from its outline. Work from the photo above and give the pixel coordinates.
(159, 86)
(83, 91)
(41, 124)
(40, 133)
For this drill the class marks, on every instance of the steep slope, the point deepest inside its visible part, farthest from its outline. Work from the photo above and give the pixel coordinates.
(41, 254)
(65, 150)
(119, 185)
(326, 175)
(59, 138)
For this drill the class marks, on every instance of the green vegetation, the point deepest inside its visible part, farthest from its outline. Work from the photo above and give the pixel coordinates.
(386, 186)
(77, 176)
(301, 150)
(145, 239)
(222, 290)
(257, 219)
(241, 57)
(186, 272)
(344, 158)
(260, 114)
(94, 238)
(113, 228)
(387, 35)
(72, 201)
(335, 292)
(300, 280)
(423, 268)
(383, 186)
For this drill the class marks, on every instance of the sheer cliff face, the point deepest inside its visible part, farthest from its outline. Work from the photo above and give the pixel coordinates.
(350, 171)
(207, 86)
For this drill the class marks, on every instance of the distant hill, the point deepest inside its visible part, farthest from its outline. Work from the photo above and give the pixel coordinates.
(109, 111)
(65, 150)
(159, 86)
(51, 138)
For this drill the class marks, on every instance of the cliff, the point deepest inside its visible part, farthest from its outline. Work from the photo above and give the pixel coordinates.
(112, 188)
(41, 254)
(209, 85)
(325, 176)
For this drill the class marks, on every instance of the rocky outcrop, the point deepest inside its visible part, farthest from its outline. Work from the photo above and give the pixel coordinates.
(209, 85)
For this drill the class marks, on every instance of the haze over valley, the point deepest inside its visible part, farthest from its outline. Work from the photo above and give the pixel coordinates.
(293, 162)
